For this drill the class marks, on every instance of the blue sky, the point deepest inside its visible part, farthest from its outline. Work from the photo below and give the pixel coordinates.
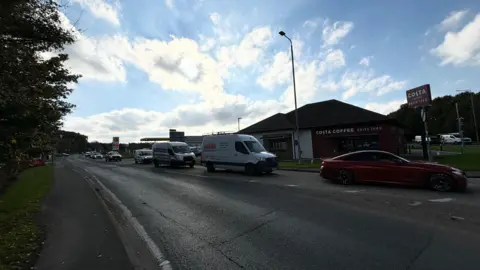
(199, 65)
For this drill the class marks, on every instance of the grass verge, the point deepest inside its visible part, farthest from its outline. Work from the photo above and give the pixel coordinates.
(19, 234)
(466, 162)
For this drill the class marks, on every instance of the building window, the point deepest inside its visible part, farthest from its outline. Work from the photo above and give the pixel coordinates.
(278, 146)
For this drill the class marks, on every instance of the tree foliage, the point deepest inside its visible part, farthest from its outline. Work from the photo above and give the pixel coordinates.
(33, 89)
(442, 115)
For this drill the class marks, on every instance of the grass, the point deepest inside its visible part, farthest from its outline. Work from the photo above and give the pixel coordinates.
(468, 161)
(19, 205)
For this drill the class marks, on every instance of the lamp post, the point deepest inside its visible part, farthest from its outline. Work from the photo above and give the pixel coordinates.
(297, 129)
(238, 122)
(55, 150)
(473, 112)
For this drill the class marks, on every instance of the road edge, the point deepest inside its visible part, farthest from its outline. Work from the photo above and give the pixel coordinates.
(141, 249)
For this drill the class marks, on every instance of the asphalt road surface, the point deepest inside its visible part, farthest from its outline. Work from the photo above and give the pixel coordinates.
(293, 220)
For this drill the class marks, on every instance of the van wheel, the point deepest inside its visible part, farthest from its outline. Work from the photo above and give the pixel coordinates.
(210, 167)
(250, 169)
(155, 163)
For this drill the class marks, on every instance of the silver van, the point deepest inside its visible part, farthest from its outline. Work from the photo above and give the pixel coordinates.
(172, 154)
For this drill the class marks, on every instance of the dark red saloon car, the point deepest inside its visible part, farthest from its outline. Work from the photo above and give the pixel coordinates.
(385, 167)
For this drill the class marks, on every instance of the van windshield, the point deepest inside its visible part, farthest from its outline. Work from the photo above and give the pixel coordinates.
(254, 146)
(181, 149)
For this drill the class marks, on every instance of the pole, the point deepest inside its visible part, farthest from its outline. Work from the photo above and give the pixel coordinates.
(238, 120)
(427, 139)
(459, 124)
(297, 128)
(474, 116)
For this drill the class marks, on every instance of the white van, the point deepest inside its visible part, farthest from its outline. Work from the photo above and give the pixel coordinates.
(172, 154)
(143, 156)
(236, 152)
(450, 138)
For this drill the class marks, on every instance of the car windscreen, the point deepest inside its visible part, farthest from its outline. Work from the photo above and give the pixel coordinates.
(254, 146)
(145, 153)
(181, 149)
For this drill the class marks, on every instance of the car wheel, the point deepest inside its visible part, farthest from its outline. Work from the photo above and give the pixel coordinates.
(441, 182)
(345, 177)
(191, 165)
(210, 167)
(136, 162)
(250, 169)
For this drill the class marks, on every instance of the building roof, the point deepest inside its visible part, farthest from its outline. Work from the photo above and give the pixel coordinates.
(320, 114)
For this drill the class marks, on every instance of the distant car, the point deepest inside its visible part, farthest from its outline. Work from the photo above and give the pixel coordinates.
(385, 167)
(143, 156)
(65, 154)
(97, 156)
(113, 156)
(196, 151)
(36, 162)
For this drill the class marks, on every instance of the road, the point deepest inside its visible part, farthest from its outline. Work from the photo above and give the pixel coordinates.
(292, 220)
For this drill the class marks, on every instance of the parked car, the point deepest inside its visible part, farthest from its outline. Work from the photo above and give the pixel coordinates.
(113, 156)
(97, 155)
(143, 156)
(196, 151)
(385, 167)
(36, 162)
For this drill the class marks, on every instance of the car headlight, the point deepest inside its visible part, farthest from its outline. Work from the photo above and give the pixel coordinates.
(260, 159)
(457, 172)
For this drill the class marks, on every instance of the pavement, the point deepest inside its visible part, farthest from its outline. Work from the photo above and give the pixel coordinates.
(79, 233)
(289, 220)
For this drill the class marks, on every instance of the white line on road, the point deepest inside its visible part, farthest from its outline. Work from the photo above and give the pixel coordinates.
(415, 203)
(354, 191)
(162, 262)
(253, 181)
(291, 185)
(441, 200)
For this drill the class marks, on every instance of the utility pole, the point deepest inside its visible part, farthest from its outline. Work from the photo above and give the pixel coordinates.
(238, 122)
(459, 119)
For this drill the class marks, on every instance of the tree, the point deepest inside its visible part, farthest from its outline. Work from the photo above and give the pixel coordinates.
(442, 115)
(32, 89)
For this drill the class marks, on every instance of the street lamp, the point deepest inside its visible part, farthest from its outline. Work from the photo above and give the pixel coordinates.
(297, 129)
(473, 111)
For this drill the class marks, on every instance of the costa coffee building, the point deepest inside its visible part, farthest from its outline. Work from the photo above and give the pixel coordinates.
(328, 128)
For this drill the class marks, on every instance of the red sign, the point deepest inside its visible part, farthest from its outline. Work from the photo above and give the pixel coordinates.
(332, 132)
(419, 96)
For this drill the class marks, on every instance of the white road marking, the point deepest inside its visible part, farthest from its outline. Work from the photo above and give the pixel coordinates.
(253, 181)
(354, 191)
(291, 185)
(162, 262)
(441, 200)
(415, 203)
(456, 218)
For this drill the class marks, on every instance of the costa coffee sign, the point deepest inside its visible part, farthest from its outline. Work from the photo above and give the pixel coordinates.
(419, 96)
(349, 131)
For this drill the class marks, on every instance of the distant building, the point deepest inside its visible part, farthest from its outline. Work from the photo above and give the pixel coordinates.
(177, 136)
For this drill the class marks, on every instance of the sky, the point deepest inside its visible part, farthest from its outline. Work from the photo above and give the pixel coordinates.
(199, 65)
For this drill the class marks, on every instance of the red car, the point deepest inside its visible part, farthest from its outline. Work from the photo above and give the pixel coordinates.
(37, 162)
(385, 167)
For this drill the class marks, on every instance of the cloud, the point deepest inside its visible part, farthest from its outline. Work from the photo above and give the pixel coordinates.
(461, 48)
(453, 20)
(250, 49)
(169, 3)
(333, 33)
(102, 9)
(385, 108)
(92, 57)
(367, 82)
(365, 61)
